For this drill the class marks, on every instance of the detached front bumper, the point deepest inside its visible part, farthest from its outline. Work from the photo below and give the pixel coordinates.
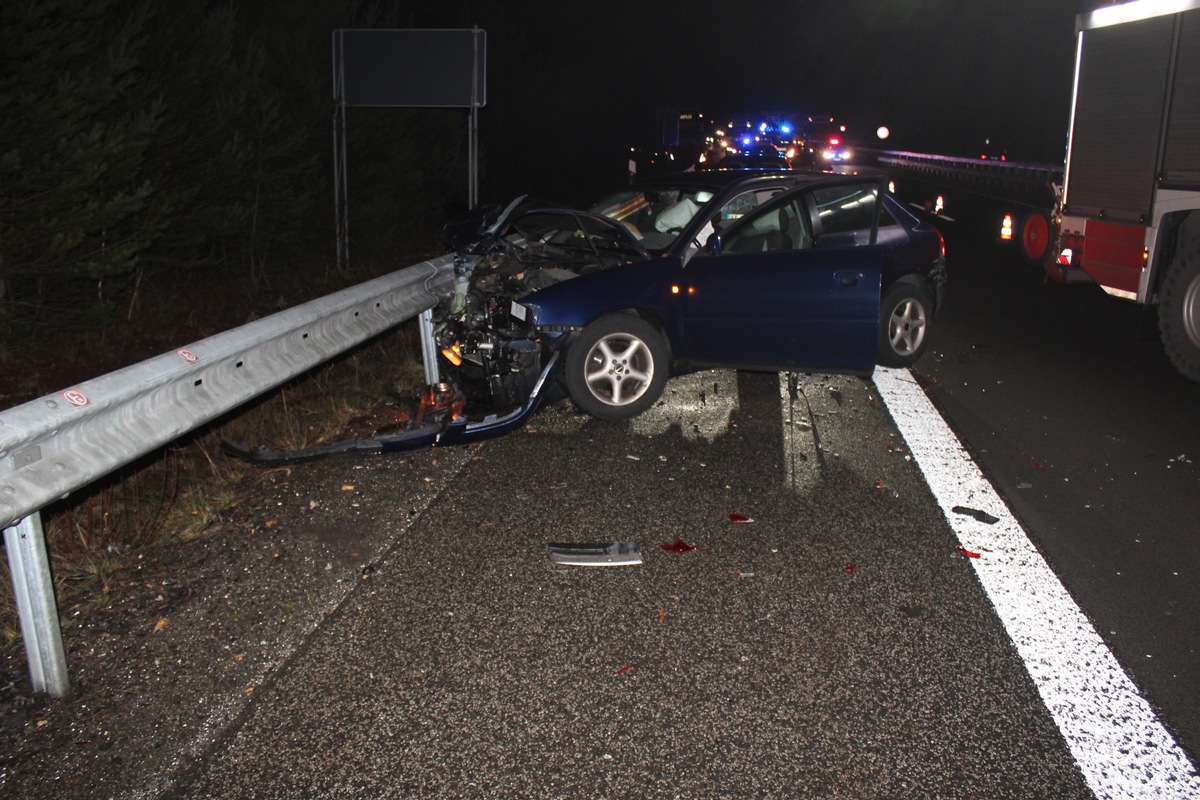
(443, 428)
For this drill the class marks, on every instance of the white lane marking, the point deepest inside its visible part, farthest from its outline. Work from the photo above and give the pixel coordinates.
(1120, 745)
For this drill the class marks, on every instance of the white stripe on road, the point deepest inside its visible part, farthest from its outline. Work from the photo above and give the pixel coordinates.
(1114, 735)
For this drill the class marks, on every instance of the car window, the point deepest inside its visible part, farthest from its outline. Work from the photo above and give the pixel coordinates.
(844, 214)
(783, 226)
(838, 215)
(742, 204)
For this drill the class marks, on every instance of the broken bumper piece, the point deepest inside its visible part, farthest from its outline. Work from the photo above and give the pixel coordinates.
(448, 427)
(604, 554)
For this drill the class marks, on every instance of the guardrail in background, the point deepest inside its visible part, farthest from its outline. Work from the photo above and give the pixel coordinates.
(62, 442)
(1025, 183)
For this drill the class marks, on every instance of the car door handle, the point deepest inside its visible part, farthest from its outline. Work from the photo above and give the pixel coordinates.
(848, 279)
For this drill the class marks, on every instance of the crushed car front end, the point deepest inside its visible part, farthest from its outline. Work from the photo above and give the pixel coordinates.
(485, 332)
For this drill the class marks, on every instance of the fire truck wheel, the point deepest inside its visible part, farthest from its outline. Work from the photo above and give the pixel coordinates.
(1179, 312)
(1034, 237)
(905, 314)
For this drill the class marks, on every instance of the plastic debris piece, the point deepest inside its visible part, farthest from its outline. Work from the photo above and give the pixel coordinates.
(740, 574)
(662, 614)
(679, 546)
(600, 554)
(851, 568)
(623, 670)
(880, 485)
(966, 552)
(739, 519)
(982, 516)
(556, 485)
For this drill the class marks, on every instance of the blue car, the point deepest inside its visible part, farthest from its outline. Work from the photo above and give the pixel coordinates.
(761, 271)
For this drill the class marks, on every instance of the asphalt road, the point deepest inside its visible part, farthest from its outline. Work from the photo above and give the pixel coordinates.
(840, 645)
(394, 627)
(837, 646)
(1066, 399)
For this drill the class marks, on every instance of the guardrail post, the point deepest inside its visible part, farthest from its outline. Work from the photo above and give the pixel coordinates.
(29, 564)
(429, 347)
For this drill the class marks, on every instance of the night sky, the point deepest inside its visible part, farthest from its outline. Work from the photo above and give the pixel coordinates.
(570, 85)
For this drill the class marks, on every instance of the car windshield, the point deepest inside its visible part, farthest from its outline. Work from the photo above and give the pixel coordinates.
(657, 215)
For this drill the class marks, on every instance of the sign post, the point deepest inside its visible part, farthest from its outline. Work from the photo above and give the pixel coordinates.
(388, 68)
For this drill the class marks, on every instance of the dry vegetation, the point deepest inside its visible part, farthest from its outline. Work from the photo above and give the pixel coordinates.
(176, 494)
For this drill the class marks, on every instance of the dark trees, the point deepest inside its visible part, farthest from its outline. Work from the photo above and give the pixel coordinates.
(156, 142)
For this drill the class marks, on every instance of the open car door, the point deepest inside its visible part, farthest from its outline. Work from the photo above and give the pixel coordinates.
(795, 284)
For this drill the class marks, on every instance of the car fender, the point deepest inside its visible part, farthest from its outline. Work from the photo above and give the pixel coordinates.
(575, 303)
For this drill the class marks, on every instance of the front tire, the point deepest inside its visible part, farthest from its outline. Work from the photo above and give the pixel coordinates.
(1179, 313)
(905, 314)
(617, 367)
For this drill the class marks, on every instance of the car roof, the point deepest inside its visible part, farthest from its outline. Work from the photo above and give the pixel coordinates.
(718, 179)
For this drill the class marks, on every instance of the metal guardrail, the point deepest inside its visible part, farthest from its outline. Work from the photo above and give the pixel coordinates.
(1026, 183)
(62, 442)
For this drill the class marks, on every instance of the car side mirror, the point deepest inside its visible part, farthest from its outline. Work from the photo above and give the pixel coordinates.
(713, 246)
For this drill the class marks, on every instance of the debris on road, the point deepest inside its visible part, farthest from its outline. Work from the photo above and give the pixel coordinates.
(982, 516)
(604, 554)
(680, 546)
(967, 553)
(739, 519)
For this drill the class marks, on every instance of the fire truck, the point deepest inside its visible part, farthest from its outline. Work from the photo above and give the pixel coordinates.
(1127, 214)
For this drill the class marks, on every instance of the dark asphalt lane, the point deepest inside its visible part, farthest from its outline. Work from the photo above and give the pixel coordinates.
(1069, 404)
(838, 646)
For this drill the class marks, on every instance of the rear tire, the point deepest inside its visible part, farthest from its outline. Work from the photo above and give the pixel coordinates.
(1035, 237)
(617, 367)
(905, 314)
(1179, 313)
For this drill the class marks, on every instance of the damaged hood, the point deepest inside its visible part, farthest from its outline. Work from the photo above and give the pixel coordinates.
(530, 223)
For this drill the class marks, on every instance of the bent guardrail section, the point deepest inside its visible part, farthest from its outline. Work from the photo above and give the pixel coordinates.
(60, 443)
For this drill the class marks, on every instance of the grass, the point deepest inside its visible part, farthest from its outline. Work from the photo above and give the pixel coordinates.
(180, 493)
